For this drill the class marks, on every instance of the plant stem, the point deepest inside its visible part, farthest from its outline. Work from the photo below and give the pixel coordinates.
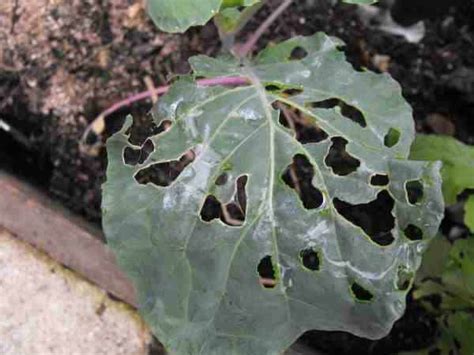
(225, 81)
(248, 14)
(252, 41)
(98, 121)
(247, 47)
(228, 38)
(132, 99)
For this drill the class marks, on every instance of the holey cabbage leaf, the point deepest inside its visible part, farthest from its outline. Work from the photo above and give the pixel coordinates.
(260, 234)
(179, 15)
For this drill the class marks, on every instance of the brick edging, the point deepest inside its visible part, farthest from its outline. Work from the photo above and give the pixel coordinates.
(37, 220)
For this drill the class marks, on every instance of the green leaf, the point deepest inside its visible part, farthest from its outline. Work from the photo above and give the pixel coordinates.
(449, 272)
(228, 20)
(469, 216)
(457, 158)
(237, 3)
(461, 326)
(179, 15)
(455, 336)
(455, 289)
(326, 264)
(435, 258)
(459, 273)
(428, 288)
(456, 333)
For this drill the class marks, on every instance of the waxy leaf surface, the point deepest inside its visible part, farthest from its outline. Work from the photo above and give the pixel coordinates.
(179, 15)
(342, 260)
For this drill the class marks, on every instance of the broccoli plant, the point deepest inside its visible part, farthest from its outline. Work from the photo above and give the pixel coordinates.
(256, 235)
(447, 271)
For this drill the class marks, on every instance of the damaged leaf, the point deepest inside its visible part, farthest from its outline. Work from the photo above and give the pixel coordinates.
(343, 262)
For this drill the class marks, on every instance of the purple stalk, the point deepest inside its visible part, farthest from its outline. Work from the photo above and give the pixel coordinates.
(99, 120)
(252, 41)
(224, 81)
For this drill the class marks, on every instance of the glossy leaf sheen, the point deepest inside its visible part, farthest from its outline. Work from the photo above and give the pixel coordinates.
(197, 281)
(179, 15)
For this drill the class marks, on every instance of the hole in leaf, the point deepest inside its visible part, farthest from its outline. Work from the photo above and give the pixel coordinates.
(222, 179)
(310, 259)
(163, 174)
(413, 232)
(379, 180)
(414, 191)
(298, 53)
(292, 92)
(299, 176)
(360, 293)
(341, 162)
(392, 137)
(144, 127)
(404, 278)
(311, 133)
(327, 104)
(353, 114)
(348, 111)
(242, 194)
(138, 156)
(273, 88)
(375, 217)
(131, 156)
(233, 213)
(266, 271)
(92, 138)
(211, 209)
(304, 127)
(357, 55)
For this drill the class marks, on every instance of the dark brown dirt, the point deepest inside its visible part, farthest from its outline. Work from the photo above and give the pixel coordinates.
(60, 65)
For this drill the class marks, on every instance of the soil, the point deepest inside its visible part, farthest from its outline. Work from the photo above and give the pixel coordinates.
(63, 62)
